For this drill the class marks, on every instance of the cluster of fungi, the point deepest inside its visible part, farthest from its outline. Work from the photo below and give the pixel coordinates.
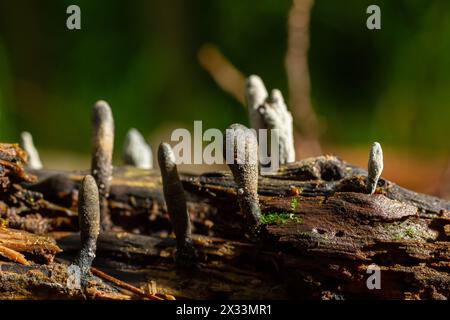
(310, 230)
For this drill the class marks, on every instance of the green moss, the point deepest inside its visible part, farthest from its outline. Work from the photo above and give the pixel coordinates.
(294, 204)
(410, 232)
(279, 217)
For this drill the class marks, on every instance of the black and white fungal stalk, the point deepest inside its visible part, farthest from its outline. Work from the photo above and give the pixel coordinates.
(241, 150)
(270, 112)
(275, 114)
(176, 206)
(102, 151)
(136, 152)
(26, 143)
(375, 167)
(255, 94)
(89, 222)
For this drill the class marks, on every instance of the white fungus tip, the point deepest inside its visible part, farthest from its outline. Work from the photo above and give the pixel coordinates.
(136, 151)
(27, 144)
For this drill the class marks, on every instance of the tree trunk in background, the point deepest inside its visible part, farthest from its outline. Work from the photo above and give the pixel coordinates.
(298, 79)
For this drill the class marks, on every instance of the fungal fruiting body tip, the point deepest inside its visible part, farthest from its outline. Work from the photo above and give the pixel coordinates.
(27, 144)
(242, 144)
(375, 167)
(136, 152)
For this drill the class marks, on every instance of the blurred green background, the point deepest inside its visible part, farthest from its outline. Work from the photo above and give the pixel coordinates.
(390, 85)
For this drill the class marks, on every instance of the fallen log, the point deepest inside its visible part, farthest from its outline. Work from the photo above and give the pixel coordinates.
(322, 233)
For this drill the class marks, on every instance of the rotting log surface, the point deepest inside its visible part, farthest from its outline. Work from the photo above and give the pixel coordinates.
(17, 245)
(325, 232)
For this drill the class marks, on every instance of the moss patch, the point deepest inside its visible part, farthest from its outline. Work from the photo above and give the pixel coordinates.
(279, 217)
(294, 204)
(410, 231)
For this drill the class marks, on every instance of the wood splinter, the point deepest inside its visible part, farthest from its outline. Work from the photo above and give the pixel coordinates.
(375, 167)
(176, 205)
(89, 221)
(241, 150)
(102, 152)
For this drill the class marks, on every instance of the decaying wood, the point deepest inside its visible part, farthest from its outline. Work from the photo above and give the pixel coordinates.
(22, 208)
(123, 284)
(16, 245)
(226, 268)
(325, 232)
(12, 159)
(20, 282)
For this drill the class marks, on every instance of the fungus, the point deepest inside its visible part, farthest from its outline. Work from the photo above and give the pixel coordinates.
(270, 112)
(255, 94)
(136, 152)
(375, 167)
(240, 142)
(89, 221)
(275, 114)
(27, 144)
(176, 206)
(102, 151)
